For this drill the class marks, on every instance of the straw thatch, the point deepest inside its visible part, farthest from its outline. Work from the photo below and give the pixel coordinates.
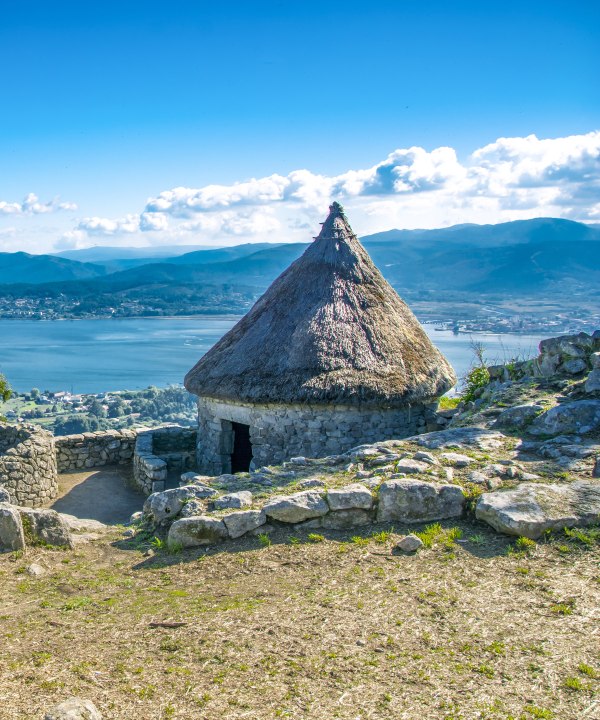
(330, 329)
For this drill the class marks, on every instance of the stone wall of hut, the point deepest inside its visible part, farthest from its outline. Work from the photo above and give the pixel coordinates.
(280, 432)
(28, 464)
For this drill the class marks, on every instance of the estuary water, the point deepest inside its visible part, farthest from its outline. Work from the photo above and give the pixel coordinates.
(92, 356)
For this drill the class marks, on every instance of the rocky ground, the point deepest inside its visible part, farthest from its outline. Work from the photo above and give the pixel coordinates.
(453, 576)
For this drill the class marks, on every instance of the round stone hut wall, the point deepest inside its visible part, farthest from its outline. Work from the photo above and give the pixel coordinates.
(280, 432)
(28, 464)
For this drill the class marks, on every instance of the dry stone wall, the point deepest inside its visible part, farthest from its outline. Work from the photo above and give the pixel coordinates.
(280, 432)
(28, 464)
(160, 450)
(88, 450)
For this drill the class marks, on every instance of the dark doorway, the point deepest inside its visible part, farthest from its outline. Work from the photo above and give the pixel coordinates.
(241, 457)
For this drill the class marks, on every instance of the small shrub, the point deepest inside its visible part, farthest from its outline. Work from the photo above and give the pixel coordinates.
(448, 403)
(573, 683)
(359, 540)
(264, 539)
(382, 537)
(316, 538)
(587, 670)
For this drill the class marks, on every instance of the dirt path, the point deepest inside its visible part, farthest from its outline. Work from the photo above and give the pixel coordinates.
(100, 494)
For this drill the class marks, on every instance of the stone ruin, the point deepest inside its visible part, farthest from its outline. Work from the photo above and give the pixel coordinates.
(28, 468)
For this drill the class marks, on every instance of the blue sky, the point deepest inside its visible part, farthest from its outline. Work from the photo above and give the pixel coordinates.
(108, 107)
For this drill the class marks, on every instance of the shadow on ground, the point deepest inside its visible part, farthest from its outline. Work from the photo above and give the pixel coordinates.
(102, 495)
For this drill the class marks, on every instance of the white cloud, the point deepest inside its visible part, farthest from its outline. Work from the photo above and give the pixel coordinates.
(31, 205)
(509, 179)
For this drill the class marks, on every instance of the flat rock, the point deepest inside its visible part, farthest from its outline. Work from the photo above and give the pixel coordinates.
(196, 531)
(409, 544)
(192, 478)
(239, 523)
(11, 528)
(297, 507)
(74, 709)
(426, 457)
(416, 501)
(457, 460)
(580, 416)
(411, 467)
(350, 497)
(459, 437)
(233, 501)
(45, 526)
(346, 519)
(35, 570)
(312, 483)
(533, 508)
(79, 525)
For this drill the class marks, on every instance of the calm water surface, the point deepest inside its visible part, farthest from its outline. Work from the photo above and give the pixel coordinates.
(91, 356)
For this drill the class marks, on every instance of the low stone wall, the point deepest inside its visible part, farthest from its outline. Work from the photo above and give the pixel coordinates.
(28, 464)
(160, 450)
(94, 449)
(280, 432)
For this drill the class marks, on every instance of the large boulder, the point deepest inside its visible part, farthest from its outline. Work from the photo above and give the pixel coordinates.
(350, 497)
(74, 709)
(533, 508)
(580, 416)
(239, 523)
(11, 528)
(162, 507)
(416, 501)
(296, 508)
(518, 416)
(195, 531)
(45, 527)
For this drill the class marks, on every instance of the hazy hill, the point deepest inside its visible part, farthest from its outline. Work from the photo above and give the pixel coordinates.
(21, 267)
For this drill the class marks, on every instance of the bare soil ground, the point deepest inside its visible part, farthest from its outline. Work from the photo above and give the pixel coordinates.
(102, 494)
(306, 628)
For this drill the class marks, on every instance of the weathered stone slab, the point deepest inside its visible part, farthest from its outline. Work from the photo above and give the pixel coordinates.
(533, 508)
(11, 528)
(239, 523)
(592, 384)
(459, 437)
(196, 531)
(4, 495)
(233, 501)
(580, 416)
(296, 508)
(82, 525)
(417, 501)
(411, 467)
(45, 526)
(456, 459)
(350, 497)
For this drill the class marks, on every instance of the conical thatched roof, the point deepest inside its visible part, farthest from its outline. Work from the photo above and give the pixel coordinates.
(330, 329)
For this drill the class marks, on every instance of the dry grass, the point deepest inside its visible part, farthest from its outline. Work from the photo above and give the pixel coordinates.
(319, 630)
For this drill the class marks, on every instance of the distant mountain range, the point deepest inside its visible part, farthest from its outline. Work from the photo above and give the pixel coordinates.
(523, 257)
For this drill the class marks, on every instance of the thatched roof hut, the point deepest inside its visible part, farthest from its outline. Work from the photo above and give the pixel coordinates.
(329, 330)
